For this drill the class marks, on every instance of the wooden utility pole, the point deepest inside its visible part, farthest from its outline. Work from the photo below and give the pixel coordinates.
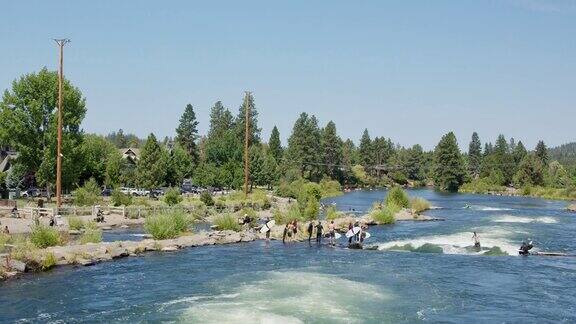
(61, 43)
(246, 155)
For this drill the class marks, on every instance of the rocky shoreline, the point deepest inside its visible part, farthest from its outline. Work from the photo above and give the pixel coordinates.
(93, 253)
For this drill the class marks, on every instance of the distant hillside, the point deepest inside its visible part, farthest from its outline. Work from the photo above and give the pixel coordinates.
(565, 154)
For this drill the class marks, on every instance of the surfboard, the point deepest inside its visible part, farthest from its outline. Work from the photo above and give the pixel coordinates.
(271, 223)
(264, 229)
(367, 235)
(352, 232)
(337, 235)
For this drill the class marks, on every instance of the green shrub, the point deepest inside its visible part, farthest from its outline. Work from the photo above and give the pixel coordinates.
(227, 222)
(48, 262)
(88, 195)
(330, 188)
(384, 215)
(399, 177)
(206, 198)
(419, 205)
(292, 214)
(172, 197)
(397, 196)
(121, 199)
(43, 236)
(91, 236)
(4, 239)
(75, 223)
(167, 225)
(332, 213)
(312, 209)
(481, 186)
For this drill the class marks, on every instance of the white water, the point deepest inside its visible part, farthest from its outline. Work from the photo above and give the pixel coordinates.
(286, 297)
(456, 243)
(486, 208)
(524, 219)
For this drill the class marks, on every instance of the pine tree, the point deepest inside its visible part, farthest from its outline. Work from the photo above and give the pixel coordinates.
(414, 163)
(254, 136)
(474, 155)
(365, 150)
(187, 132)
(542, 153)
(331, 151)
(304, 146)
(449, 165)
(519, 152)
(152, 165)
(530, 172)
(275, 145)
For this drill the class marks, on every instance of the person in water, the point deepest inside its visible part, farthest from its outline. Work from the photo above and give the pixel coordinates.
(525, 248)
(310, 231)
(269, 229)
(319, 230)
(332, 232)
(285, 233)
(476, 239)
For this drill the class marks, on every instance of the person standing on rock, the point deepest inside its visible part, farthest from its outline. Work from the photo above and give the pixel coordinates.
(319, 230)
(310, 231)
(285, 233)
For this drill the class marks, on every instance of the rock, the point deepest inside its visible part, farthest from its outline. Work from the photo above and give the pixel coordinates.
(105, 228)
(572, 207)
(17, 265)
(85, 263)
(169, 249)
(124, 226)
(118, 252)
(74, 232)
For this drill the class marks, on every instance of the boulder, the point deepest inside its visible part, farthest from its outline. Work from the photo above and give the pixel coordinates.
(124, 226)
(85, 262)
(18, 266)
(106, 228)
(169, 249)
(572, 207)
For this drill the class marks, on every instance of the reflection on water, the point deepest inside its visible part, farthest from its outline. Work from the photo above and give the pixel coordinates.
(423, 272)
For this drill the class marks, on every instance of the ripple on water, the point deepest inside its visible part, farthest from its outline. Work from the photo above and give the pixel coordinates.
(286, 297)
(525, 219)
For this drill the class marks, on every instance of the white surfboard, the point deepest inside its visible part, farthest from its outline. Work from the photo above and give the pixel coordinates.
(337, 235)
(264, 229)
(352, 232)
(367, 235)
(271, 223)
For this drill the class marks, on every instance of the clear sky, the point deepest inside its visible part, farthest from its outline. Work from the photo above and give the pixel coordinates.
(408, 70)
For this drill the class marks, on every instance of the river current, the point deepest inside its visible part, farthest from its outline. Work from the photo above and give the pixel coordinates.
(419, 272)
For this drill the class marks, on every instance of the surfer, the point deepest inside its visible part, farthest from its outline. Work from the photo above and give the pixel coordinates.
(331, 232)
(525, 248)
(350, 227)
(285, 232)
(310, 230)
(357, 236)
(269, 229)
(476, 239)
(295, 228)
(319, 230)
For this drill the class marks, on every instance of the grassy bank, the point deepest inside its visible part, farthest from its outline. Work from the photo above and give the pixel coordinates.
(482, 186)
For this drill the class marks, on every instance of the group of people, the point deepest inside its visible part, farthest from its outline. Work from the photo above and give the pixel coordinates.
(314, 227)
(290, 231)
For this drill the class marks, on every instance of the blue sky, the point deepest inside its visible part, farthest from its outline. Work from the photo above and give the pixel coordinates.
(408, 70)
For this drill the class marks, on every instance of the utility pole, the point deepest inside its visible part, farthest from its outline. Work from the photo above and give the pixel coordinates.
(61, 43)
(246, 156)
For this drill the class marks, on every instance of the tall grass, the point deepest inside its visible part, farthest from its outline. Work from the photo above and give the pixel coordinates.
(292, 214)
(43, 236)
(91, 236)
(227, 222)
(384, 215)
(332, 213)
(4, 239)
(75, 223)
(167, 225)
(419, 204)
(398, 197)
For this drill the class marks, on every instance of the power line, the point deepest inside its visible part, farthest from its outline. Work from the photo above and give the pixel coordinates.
(61, 43)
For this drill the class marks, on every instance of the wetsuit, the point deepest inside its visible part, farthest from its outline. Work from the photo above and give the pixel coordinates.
(310, 230)
(319, 229)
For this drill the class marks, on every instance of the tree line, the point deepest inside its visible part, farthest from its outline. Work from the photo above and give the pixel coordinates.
(313, 152)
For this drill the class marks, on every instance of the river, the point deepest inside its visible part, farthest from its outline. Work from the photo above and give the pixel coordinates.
(445, 281)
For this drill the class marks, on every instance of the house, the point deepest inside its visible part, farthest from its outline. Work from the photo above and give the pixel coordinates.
(131, 154)
(7, 156)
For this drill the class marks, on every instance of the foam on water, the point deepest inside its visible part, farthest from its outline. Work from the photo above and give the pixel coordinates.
(524, 219)
(486, 208)
(286, 297)
(459, 243)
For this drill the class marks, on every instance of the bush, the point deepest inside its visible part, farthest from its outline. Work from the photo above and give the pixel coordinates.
(4, 239)
(121, 199)
(481, 186)
(167, 225)
(227, 222)
(88, 195)
(384, 215)
(399, 177)
(247, 211)
(91, 235)
(43, 236)
(75, 223)
(332, 213)
(330, 188)
(419, 205)
(312, 209)
(172, 197)
(398, 197)
(206, 198)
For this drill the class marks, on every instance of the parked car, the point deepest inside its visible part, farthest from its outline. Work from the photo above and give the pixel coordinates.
(33, 193)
